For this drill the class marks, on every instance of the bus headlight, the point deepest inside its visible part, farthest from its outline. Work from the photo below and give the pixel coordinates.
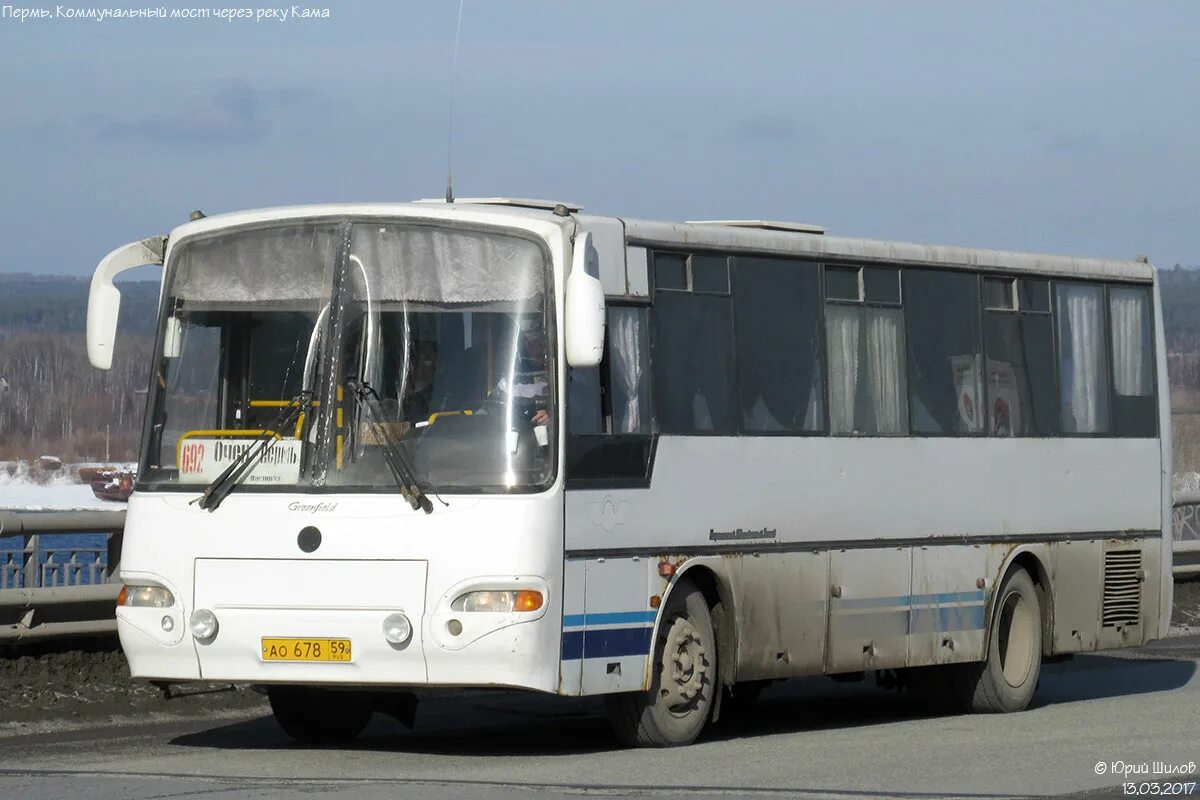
(203, 624)
(503, 602)
(145, 597)
(396, 628)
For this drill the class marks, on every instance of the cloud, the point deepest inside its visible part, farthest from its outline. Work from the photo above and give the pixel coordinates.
(233, 113)
(767, 128)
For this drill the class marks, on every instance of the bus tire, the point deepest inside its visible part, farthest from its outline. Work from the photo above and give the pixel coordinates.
(1007, 678)
(684, 678)
(318, 716)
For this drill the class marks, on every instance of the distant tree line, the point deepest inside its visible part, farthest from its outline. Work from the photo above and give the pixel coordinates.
(52, 401)
(57, 404)
(58, 304)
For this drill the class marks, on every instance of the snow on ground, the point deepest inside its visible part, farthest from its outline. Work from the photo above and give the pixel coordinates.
(60, 491)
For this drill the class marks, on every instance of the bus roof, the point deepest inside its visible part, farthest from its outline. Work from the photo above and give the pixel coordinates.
(772, 240)
(789, 243)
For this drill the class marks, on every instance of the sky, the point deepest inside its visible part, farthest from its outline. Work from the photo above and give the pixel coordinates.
(1062, 127)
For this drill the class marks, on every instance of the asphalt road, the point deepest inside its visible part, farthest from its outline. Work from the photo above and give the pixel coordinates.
(809, 738)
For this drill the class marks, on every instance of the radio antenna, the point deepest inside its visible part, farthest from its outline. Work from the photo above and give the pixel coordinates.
(450, 115)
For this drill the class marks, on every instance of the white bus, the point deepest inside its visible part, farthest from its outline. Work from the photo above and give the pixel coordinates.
(499, 443)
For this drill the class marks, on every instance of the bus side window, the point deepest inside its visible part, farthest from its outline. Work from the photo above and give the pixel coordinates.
(864, 336)
(614, 397)
(583, 401)
(628, 362)
(1134, 406)
(1082, 357)
(1019, 341)
(945, 358)
(608, 407)
(694, 383)
(777, 314)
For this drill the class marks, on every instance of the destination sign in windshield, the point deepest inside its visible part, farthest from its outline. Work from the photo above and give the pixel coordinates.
(203, 460)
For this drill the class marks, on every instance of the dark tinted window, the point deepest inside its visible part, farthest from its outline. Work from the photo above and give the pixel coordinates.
(1022, 400)
(710, 274)
(1035, 294)
(841, 283)
(945, 365)
(693, 363)
(1134, 407)
(777, 309)
(998, 292)
(1082, 357)
(583, 400)
(278, 343)
(609, 461)
(670, 271)
(881, 285)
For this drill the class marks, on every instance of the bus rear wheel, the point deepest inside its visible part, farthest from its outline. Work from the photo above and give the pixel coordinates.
(684, 678)
(319, 716)
(1007, 678)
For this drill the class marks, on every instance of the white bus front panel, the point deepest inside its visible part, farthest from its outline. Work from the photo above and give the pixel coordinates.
(376, 557)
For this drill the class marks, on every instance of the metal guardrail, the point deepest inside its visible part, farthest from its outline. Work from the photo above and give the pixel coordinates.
(1186, 549)
(50, 588)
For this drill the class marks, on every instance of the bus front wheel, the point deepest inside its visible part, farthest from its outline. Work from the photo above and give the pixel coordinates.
(319, 716)
(684, 678)
(1007, 678)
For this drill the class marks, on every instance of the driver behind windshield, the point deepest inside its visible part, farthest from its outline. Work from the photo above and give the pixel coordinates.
(416, 405)
(531, 388)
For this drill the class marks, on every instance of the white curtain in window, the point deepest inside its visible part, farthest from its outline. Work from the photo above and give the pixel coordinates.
(884, 370)
(1083, 358)
(626, 351)
(1130, 314)
(844, 328)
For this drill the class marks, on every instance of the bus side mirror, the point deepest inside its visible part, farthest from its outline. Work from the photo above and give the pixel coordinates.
(104, 299)
(584, 308)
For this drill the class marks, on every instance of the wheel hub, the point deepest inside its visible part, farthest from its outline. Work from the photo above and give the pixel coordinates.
(685, 665)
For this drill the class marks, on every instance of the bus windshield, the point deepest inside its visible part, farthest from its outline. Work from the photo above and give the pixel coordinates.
(443, 329)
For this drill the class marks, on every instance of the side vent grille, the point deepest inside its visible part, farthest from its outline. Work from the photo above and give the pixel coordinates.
(1122, 588)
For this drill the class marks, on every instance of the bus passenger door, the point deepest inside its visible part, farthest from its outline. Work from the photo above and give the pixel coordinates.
(868, 609)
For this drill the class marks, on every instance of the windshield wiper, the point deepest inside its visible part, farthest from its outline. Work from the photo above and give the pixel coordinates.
(398, 465)
(216, 492)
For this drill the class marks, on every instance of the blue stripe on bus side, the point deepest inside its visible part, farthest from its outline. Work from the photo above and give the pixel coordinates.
(572, 645)
(608, 618)
(616, 642)
(606, 643)
(953, 618)
(909, 600)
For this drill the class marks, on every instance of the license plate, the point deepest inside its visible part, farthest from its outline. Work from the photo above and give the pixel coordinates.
(305, 649)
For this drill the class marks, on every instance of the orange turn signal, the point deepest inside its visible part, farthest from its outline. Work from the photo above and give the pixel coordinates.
(122, 595)
(527, 600)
